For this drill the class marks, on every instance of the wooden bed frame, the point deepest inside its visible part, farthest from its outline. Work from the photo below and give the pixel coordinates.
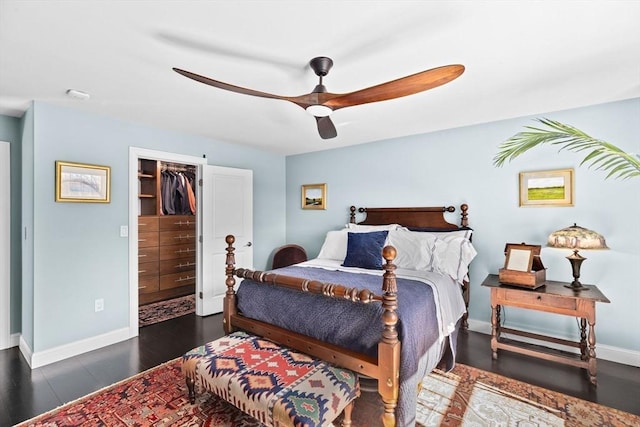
(386, 367)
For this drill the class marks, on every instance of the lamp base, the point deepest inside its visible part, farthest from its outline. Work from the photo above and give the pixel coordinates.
(578, 287)
(576, 260)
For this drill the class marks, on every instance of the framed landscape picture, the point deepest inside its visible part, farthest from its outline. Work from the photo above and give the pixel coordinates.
(84, 183)
(547, 188)
(314, 196)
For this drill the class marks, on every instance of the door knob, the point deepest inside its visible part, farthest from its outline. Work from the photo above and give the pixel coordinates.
(248, 244)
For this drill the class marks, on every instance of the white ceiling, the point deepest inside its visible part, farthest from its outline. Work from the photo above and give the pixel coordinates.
(521, 58)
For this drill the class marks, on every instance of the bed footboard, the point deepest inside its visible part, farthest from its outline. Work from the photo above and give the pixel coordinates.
(385, 368)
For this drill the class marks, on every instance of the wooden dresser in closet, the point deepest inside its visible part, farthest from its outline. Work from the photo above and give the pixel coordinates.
(148, 259)
(177, 252)
(166, 245)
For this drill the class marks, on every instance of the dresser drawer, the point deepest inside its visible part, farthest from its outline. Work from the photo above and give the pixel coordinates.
(177, 251)
(147, 239)
(148, 268)
(538, 299)
(148, 284)
(177, 265)
(148, 254)
(177, 237)
(176, 280)
(147, 223)
(177, 222)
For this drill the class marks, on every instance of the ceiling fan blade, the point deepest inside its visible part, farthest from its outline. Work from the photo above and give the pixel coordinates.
(404, 86)
(227, 86)
(326, 129)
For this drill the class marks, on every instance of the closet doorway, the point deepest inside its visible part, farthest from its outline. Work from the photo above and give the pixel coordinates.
(166, 230)
(164, 210)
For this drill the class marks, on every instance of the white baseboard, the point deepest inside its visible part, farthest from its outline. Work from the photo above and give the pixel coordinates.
(14, 340)
(25, 350)
(42, 358)
(605, 352)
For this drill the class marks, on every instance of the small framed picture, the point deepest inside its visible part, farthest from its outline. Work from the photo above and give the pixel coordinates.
(519, 258)
(82, 183)
(522, 257)
(314, 196)
(547, 188)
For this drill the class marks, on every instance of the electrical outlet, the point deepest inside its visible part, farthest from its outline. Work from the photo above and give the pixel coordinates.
(99, 305)
(124, 231)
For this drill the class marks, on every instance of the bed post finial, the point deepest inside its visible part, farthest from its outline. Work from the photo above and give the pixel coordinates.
(352, 214)
(463, 213)
(229, 306)
(389, 254)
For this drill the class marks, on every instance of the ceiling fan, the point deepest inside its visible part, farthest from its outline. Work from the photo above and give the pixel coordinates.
(320, 103)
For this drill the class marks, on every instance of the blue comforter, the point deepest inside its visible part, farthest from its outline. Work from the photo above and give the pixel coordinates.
(354, 326)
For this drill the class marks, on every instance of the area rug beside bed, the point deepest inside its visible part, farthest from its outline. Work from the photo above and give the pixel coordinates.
(157, 312)
(464, 397)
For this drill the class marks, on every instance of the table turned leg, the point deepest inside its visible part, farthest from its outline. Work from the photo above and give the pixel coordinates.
(495, 330)
(592, 352)
(583, 339)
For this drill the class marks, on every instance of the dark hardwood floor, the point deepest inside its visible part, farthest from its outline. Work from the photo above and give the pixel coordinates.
(25, 393)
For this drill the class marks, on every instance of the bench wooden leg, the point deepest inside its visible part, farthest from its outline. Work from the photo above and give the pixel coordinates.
(346, 421)
(389, 415)
(191, 386)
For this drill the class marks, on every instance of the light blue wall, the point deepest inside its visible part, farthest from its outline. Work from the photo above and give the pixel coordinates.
(417, 170)
(10, 131)
(26, 238)
(455, 166)
(78, 255)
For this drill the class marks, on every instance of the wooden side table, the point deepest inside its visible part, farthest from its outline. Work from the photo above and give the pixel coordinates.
(555, 298)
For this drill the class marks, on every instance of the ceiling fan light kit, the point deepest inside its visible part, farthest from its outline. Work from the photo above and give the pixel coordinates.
(319, 110)
(321, 104)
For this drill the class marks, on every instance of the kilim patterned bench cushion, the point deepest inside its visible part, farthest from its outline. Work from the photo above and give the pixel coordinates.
(274, 384)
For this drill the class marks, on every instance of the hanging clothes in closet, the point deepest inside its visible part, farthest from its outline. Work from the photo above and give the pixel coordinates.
(177, 191)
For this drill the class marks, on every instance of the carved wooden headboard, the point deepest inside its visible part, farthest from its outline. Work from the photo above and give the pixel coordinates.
(421, 217)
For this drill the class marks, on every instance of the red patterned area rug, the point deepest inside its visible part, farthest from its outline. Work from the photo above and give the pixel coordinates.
(464, 397)
(164, 310)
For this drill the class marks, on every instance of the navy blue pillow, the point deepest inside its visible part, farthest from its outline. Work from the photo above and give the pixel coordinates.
(364, 250)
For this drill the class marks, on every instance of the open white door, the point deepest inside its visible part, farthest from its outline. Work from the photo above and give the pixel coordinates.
(227, 208)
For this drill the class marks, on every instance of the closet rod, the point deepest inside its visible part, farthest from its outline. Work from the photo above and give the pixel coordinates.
(177, 167)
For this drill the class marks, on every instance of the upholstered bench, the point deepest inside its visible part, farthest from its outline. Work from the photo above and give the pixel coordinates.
(276, 385)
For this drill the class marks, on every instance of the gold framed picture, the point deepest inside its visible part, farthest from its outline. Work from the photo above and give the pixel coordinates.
(547, 188)
(314, 196)
(82, 183)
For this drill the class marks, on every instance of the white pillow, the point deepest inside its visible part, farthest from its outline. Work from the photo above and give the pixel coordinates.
(450, 235)
(364, 228)
(453, 257)
(415, 250)
(335, 245)
(453, 252)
